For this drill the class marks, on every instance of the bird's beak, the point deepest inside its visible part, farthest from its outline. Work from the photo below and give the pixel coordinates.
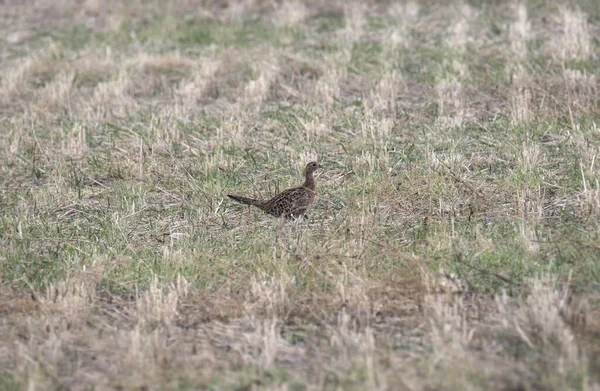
(319, 166)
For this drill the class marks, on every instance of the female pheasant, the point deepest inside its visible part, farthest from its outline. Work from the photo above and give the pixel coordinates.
(291, 203)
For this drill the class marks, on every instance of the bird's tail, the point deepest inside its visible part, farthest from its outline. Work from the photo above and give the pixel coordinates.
(246, 200)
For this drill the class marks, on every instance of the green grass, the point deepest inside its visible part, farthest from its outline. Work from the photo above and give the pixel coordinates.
(453, 244)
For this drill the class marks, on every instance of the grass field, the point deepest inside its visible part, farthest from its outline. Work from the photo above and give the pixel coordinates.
(454, 243)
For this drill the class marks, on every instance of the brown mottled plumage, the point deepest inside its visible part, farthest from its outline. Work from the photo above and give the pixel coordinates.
(291, 203)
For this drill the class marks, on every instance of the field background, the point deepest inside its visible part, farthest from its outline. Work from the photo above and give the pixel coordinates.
(454, 244)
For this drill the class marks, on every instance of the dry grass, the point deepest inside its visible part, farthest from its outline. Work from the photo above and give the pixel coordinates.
(453, 244)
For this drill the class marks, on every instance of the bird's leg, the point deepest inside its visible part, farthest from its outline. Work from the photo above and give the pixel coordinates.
(282, 221)
(308, 220)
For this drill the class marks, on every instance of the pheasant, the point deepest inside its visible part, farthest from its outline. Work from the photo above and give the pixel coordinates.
(291, 203)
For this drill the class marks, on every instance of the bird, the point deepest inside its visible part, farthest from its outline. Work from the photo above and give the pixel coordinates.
(291, 203)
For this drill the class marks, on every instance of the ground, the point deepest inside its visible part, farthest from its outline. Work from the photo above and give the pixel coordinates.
(454, 243)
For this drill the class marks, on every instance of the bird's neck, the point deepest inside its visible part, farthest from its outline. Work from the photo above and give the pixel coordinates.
(309, 182)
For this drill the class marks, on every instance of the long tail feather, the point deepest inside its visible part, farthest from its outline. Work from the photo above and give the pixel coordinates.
(246, 200)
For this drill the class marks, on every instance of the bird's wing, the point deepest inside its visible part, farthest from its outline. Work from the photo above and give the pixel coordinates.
(289, 201)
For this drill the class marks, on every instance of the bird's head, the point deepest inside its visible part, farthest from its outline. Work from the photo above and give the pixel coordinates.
(312, 167)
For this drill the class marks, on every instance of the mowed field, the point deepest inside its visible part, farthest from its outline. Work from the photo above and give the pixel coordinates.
(454, 243)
